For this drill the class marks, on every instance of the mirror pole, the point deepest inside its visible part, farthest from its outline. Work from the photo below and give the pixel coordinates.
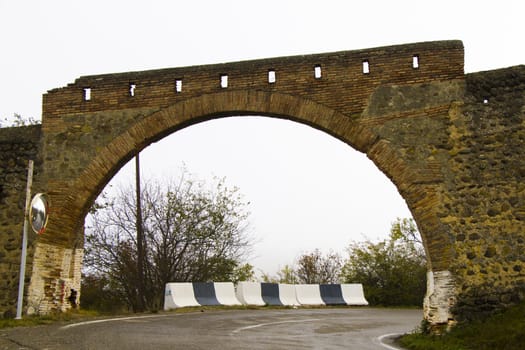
(24, 243)
(141, 307)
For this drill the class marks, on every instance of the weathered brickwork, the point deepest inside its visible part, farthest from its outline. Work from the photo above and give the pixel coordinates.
(451, 143)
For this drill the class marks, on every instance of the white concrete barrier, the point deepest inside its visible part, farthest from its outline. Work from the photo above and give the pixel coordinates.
(353, 294)
(225, 293)
(249, 293)
(287, 295)
(182, 294)
(179, 294)
(308, 294)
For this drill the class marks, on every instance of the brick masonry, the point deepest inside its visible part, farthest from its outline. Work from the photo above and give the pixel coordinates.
(451, 143)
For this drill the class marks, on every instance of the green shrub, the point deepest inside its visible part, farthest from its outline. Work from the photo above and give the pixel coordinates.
(503, 331)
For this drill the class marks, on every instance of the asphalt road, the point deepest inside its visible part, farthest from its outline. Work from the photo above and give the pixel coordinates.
(327, 328)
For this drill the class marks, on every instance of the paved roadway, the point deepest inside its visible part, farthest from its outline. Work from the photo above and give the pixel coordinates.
(326, 328)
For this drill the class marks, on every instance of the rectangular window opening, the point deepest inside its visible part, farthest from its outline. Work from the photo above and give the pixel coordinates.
(366, 67)
(178, 85)
(224, 81)
(132, 89)
(415, 61)
(87, 94)
(317, 72)
(271, 76)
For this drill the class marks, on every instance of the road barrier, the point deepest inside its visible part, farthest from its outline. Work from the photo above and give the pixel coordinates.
(225, 293)
(179, 295)
(249, 293)
(270, 294)
(353, 294)
(205, 293)
(287, 294)
(185, 294)
(308, 294)
(332, 294)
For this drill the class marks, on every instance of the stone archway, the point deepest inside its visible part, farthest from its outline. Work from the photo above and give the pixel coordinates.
(453, 144)
(80, 194)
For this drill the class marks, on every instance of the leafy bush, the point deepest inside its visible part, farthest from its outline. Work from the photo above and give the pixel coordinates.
(393, 271)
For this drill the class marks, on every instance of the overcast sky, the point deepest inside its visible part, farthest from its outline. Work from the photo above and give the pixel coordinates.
(307, 189)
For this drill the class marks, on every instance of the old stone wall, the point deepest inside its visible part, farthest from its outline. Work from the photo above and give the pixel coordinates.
(478, 149)
(17, 146)
(486, 205)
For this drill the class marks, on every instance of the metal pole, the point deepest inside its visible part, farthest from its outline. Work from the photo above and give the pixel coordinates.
(24, 243)
(140, 240)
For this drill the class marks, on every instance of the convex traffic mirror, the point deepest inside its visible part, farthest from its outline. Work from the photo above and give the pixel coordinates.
(39, 212)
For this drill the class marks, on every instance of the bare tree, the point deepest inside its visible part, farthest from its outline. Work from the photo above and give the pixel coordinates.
(17, 120)
(314, 268)
(191, 233)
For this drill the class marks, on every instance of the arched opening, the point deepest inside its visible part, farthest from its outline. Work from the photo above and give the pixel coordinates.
(306, 189)
(74, 201)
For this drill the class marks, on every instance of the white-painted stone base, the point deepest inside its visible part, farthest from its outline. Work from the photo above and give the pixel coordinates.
(440, 298)
(56, 273)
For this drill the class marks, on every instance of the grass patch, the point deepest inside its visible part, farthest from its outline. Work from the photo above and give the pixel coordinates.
(503, 331)
(29, 321)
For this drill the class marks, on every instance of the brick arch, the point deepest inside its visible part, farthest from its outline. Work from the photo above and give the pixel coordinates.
(199, 109)
(84, 190)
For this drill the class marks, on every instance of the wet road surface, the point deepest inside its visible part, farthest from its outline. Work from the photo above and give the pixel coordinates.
(326, 328)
